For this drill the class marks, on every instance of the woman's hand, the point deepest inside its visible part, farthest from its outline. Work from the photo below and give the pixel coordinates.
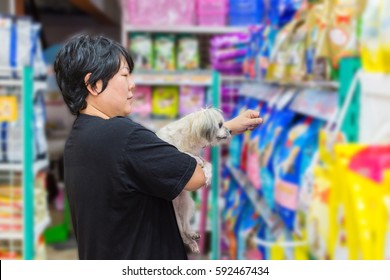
(247, 120)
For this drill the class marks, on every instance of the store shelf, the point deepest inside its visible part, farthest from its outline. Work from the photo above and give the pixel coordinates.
(38, 165)
(234, 78)
(195, 29)
(10, 83)
(191, 78)
(40, 85)
(38, 230)
(317, 102)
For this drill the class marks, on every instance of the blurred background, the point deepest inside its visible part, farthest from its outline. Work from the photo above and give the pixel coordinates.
(312, 182)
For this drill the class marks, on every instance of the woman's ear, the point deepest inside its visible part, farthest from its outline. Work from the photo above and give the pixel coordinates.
(93, 90)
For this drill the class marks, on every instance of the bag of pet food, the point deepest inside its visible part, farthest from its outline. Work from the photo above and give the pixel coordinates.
(188, 53)
(253, 104)
(142, 101)
(246, 225)
(253, 157)
(290, 165)
(192, 98)
(164, 53)
(141, 48)
(165, 102)
(277, 129)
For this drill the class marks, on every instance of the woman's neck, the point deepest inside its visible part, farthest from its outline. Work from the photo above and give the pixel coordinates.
(93, 111)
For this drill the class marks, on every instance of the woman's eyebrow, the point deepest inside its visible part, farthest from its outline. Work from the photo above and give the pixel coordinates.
(125, 67)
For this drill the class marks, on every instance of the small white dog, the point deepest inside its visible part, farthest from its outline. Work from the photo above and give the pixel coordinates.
(191, 134)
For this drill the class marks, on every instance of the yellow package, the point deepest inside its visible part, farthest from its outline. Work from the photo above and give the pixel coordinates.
(365, 194)
(277, 70)
(369, 209)
(340, 241)
(384, 39)
(165, 102)
(8, 108)
(372, 56)
(318, 56)
(319, 210)
(343, 29)
(296, 68)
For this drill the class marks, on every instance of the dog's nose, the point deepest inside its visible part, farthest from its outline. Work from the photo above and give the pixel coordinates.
(228, 131)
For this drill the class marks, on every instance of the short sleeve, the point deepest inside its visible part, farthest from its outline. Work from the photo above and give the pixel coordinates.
(155, 167)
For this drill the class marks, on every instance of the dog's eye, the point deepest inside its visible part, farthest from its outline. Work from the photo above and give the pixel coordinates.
(220, 124)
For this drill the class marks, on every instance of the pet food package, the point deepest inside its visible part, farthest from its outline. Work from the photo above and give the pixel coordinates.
(165, 102)
(7, 38)
(253, 158)
(277, 129)
(41, 148)
(246, 226)
(235, 199)
(142, 101)
(385, 34)
(343, 29)
(164, 53)
(317, 44)
(24, 42)
(3, 141)
(188, 53)
(13, 136)
(229, 99)
(192, 98)
(370, 39)
(368, 172)
(290, 165)
(141, 47)
(237, 39)
(175, 12)
(256, 41)
(252, 104)
(227, 52)
(279, 56)
(8, 108)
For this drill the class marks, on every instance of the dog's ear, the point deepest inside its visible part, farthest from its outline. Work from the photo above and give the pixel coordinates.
(204, 124)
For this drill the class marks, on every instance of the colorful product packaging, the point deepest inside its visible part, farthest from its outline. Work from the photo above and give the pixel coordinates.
(165, 102)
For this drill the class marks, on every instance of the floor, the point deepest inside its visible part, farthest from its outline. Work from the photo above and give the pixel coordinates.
(61, 251)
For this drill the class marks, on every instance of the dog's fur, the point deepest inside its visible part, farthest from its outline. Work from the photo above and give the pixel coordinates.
(191, 134)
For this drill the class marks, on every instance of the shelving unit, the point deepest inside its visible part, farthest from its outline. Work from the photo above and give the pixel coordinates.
(28, 168)
(193, 29)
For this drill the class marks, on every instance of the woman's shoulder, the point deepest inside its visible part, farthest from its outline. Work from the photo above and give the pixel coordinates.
(128, 125)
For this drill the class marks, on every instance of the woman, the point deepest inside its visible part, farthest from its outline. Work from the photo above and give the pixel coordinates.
(120, 177)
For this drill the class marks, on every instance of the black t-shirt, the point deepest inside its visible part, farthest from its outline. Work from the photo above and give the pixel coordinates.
(120, 181)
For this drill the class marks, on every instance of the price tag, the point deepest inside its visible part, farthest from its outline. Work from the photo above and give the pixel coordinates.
(8, 108)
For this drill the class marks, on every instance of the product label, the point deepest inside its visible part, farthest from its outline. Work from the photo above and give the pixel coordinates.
(8, 108)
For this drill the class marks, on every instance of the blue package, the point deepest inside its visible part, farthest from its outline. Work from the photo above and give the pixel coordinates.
(277, 130)
(3, 141)
(291, 163)
(245, 225)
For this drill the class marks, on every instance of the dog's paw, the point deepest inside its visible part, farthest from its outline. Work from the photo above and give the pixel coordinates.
(208, 172)
(195, 236)
(194, 247)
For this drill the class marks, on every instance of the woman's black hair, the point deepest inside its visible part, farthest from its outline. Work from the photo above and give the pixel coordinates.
(85, 54)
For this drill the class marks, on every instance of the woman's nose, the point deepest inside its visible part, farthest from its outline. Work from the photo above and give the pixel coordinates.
(131, 84)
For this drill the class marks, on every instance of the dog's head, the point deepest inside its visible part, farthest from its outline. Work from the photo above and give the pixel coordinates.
(208, 126)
